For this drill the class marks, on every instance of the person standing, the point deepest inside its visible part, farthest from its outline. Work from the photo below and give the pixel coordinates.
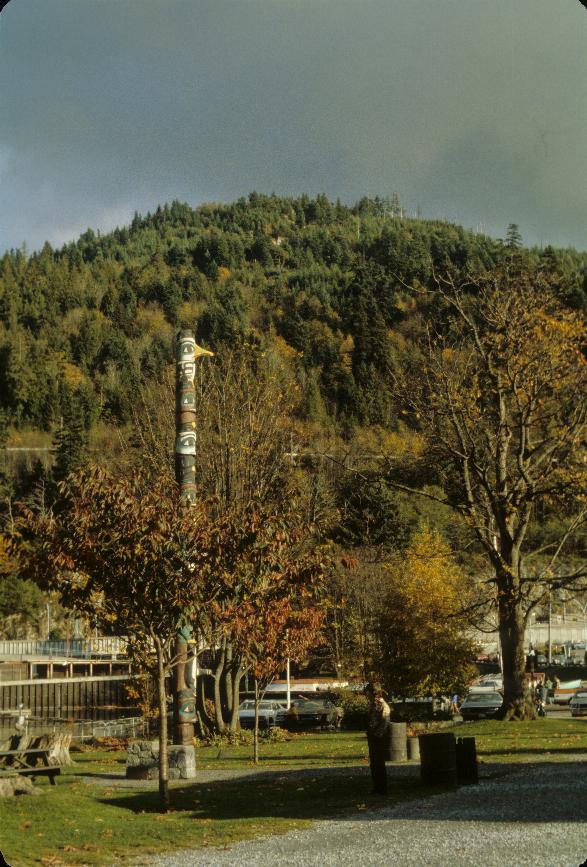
(378, 737)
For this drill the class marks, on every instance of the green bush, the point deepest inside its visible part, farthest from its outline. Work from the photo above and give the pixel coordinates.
(241, 737)
(417, 712)
(275, 735)
(355, 706)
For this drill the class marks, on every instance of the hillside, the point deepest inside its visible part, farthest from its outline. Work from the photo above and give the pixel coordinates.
(88, 322)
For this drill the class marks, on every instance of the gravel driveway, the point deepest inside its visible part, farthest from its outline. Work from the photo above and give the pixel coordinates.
(527, 815)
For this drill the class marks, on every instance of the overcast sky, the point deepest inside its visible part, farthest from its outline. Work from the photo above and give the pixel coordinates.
(471, 110)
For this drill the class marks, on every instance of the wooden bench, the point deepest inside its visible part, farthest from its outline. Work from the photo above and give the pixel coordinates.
(23, 761)
(50, 772)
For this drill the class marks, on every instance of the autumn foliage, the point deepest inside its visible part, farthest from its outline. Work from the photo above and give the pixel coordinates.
(426, 648)
(500, 397)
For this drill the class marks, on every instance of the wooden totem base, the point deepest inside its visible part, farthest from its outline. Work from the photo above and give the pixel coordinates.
(183, 734)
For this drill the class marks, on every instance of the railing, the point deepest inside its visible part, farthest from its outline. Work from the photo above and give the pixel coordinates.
(82, 648)
(73, 698)
(81, 730)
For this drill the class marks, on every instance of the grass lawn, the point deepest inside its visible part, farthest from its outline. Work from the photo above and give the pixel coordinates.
(306, 750)
(538, 740)
(80, 821)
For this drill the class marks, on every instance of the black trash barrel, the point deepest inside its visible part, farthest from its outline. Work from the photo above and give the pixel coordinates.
(398, 742)
(438, 763)
(466, 753)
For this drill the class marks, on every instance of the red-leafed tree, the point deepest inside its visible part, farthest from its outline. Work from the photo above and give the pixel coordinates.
(131, 557)
(270, 606)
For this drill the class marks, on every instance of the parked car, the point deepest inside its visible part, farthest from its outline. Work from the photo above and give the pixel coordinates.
(271, 713)
(312, 712)
(495, 685)
(578, 704)
(565, 691)
(481, 705)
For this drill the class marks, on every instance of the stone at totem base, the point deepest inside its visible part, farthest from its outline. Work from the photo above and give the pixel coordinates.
(183, 758)
(142, 761)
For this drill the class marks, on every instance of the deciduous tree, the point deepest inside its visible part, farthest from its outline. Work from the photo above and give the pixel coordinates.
(424, 637)
(131, 557)
(500, 395)
(270, 605)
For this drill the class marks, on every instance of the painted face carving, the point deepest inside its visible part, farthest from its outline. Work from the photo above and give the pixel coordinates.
(187, 372)
(185, 443)
(187, 349)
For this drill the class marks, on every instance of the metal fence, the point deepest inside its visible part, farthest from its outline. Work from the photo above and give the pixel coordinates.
(81, 730)
(82, 648)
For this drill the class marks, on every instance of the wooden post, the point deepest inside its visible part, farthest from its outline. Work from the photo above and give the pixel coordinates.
(187, 350)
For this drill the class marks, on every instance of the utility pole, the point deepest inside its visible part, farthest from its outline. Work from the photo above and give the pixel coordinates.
(187, 350)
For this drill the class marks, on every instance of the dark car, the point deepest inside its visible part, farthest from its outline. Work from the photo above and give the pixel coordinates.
(481, 705)
(578, 704)
(314, 712)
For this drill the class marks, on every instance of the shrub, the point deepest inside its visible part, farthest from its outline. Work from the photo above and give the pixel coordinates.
(423, 711)
(355, 706)
(275, 735)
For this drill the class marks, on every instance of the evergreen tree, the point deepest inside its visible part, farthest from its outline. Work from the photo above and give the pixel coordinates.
(71, 440)
(513, 238)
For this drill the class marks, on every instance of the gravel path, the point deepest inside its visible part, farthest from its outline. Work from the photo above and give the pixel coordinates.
(525, 815)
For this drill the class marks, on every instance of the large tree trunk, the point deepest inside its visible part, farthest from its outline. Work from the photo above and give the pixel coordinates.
(236, 683)
(163, 757)
(512, 626)
(227, 703)
(206, 722)
(218, 673)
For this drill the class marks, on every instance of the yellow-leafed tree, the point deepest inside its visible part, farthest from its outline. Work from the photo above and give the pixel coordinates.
(425, 645)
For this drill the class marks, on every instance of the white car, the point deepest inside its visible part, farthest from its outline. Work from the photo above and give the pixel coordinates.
(271, 713)
(481, 705)
(487, 686)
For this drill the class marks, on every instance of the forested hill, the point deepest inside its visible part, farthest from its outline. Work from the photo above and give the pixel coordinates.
(80, 327)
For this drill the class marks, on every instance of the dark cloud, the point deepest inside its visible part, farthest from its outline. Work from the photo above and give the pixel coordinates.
(469, 110)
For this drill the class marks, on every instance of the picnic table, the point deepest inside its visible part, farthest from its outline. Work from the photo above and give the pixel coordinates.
(25, 761)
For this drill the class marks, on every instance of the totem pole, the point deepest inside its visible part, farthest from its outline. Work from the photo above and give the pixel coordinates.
(187, 350)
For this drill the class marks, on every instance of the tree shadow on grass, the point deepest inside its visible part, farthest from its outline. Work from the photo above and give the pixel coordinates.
(541, 792)
(276, 795)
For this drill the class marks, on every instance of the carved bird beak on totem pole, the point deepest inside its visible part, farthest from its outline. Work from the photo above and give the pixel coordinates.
(199, 351)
